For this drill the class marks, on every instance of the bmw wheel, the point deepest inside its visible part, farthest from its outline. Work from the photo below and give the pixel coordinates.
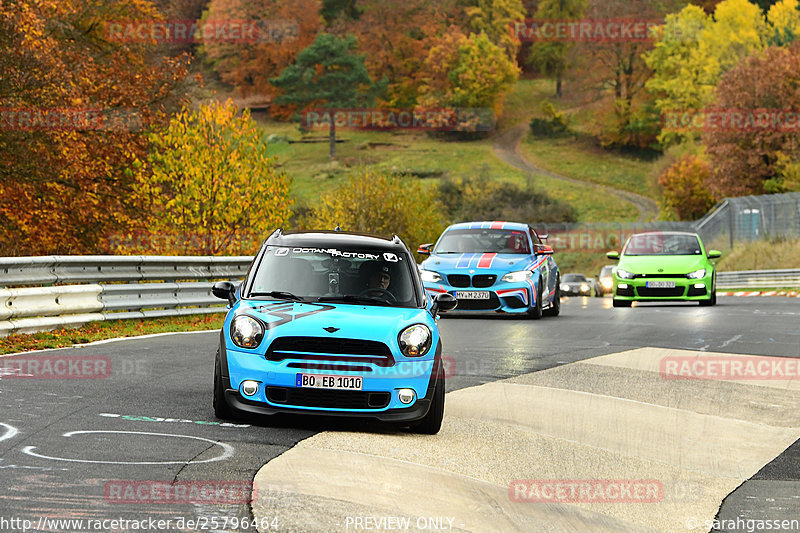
(555, 306)
(536, 312)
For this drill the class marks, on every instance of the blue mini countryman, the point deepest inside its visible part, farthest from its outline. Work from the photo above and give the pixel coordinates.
(502, 267)
(332, 323)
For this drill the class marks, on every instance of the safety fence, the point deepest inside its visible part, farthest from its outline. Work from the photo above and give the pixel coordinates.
(42, 293)
(74, 290)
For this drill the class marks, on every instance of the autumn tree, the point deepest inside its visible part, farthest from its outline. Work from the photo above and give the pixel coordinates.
(397, 50)
(328, 74)
(553, 58)
(63, 188)
(760, 152)
(381, 204)
(494, 18)
(784, 22)
(285, 27)
(209, 184)
(468, 72)
(685, 193)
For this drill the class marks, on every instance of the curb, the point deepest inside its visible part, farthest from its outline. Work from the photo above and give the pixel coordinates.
(790, 294)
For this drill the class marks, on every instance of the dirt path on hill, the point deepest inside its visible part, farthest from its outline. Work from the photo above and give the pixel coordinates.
(506, 146)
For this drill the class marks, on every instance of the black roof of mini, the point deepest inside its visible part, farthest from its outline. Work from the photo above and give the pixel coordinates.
(336, 239)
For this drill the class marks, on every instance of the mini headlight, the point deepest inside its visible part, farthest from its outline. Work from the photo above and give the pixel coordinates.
(516, 277)
(430, 276)
(246, 332)
(415, 341)
(624, 274)
(697, 274)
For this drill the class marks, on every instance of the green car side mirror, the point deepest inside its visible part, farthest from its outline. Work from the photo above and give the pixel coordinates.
(612, 255)
(714, 254)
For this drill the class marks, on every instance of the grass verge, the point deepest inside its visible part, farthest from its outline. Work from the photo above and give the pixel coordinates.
(110, 329)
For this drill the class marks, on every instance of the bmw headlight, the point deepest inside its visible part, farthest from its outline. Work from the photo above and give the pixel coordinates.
(516, 277)
(430, 276)
(246, 332)
(624, 274)
(697, 274)
(415, 341)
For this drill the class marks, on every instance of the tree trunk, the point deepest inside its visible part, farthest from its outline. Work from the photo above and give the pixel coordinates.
(558, 87)
(332, 143)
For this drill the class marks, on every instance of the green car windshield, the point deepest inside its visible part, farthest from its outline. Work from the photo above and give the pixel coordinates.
(663, 244)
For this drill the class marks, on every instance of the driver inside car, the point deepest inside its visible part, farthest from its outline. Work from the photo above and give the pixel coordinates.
(379, 278)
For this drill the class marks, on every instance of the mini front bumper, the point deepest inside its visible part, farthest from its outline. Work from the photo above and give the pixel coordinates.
(378, 398)
(641, 289)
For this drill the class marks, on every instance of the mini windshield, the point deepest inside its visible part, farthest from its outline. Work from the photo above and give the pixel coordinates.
(663, 244)
(461, 241)
(365, 277)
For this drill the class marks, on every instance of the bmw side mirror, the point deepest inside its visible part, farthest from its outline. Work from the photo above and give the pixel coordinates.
(225, 290)
(543, 249)
(443, 303)
(714, 254)
(612, 255)
(425, 249)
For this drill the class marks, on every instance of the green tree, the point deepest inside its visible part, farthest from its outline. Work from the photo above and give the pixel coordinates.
(552, 58)
(328, 73)
(209, 183)
(377, 203)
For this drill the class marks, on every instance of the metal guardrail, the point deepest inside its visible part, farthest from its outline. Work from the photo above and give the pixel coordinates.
(111, 288)
(124, 287)
(745, 279)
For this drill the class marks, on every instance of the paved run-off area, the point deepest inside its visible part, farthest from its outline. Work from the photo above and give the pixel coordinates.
(652, 453)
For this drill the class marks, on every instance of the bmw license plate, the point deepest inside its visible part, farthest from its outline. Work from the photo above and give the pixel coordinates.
(323, 381)
(660, 284)
(472, 295)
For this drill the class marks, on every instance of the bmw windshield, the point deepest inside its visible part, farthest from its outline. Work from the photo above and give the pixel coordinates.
(460, 241)
(362, 276)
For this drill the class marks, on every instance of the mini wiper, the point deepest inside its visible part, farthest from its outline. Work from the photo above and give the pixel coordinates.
(350, 298)
(278, 294)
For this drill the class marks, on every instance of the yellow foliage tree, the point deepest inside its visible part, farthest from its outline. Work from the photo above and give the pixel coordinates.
(371, 202)
(208, 186)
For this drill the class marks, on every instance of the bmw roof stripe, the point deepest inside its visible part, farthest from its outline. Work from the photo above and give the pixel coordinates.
(497, 224)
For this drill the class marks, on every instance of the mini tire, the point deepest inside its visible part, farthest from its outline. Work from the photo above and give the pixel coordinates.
(221, 408)
(432, 422)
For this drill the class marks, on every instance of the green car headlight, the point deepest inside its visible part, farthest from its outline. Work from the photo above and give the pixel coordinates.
(697, 274)
(624, 274)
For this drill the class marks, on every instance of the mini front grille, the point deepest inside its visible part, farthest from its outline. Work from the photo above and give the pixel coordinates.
(458, 280)
(330, 349)
(329, 399)
(483, 280)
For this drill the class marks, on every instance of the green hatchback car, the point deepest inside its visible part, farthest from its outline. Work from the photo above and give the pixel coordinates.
(662, 266)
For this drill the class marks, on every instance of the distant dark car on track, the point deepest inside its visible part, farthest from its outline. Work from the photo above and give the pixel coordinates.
(578, 285)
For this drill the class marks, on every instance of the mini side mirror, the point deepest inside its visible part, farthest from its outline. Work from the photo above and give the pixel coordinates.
(225, 290)
(443, 303)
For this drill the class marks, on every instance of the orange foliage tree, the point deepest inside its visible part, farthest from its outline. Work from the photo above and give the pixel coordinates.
(73, 108)
(285, 27)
